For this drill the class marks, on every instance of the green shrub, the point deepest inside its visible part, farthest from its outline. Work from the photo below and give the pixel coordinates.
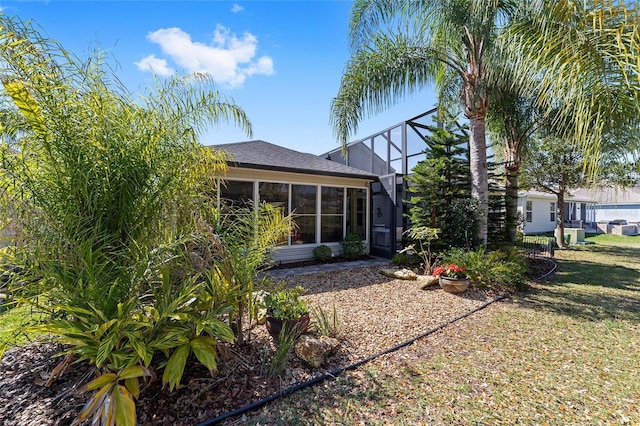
(404, 259)
(322, 253)
(352, 246)
(462, 223)
(503, 269)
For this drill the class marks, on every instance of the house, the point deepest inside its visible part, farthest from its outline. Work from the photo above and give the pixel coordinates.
(617, 209)
(334, 194)
(538, 211)
(328, 199)
(615, 204)
(390, 154)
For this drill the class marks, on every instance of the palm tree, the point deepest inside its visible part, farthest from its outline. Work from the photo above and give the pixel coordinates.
(95, 174)
(512, 119)
(465, 47)
(580, 61)
(442, 42)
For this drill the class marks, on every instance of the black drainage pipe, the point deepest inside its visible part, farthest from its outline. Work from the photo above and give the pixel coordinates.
(555, 266)
(333, 374)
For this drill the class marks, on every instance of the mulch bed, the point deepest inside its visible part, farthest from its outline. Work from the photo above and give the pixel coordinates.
(377, 313)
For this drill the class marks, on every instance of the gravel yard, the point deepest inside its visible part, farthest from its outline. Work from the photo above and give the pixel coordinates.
(376, 313)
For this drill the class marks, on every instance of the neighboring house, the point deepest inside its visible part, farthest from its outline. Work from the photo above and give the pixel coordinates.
(617, 211)
(615, 204)
(328, 199)
(538, 211)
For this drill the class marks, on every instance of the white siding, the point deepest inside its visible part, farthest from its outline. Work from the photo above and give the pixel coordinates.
(541, 217)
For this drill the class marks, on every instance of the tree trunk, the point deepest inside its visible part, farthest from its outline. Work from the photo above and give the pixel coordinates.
(559, 233)
(479, 179)
(512, 168)
(511, 205)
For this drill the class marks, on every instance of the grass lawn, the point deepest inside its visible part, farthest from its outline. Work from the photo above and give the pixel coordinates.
(12, 326)
(564, 353)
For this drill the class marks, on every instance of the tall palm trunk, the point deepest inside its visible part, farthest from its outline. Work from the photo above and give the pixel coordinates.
(511, 205)
(476, 102)
(478, 164)
(513, 161)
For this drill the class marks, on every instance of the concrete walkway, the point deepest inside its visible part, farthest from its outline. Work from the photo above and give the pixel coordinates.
(282, 273)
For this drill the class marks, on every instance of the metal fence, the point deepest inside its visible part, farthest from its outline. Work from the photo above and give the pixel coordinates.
(538, 245)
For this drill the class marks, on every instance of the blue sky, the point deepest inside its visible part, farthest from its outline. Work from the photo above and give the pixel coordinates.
(281, 61)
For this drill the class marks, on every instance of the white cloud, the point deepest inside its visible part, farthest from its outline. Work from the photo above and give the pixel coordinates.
(236, 8)
(157, 65)
(229, 59)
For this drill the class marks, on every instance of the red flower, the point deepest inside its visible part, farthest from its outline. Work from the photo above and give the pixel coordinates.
(451, 270)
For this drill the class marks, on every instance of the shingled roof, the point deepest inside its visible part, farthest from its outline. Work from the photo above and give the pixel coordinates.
(267, 156)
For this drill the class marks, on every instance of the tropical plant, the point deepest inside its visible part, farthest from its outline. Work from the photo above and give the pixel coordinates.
(105, 189)
(352, 246)
(512, 119)
(422, 238)
(596, 95)
(449, 43)
(241, 243)
(501, 269)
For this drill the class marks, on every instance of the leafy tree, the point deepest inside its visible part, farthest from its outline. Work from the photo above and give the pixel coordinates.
(555, 166)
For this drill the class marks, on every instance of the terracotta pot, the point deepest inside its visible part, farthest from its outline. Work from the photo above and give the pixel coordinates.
(275, 325)
(454, 285)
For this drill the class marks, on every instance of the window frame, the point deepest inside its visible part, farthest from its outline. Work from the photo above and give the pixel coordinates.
(361, 214)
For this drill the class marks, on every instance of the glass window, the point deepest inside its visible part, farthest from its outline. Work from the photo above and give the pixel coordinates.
(332, 200)
(552, 212)
(303, 199)
(332, 214)
(356, 214)
(331, 228)
(236, 193)
(529, 211)
(303, 207)
(275, 193)
(278, 195)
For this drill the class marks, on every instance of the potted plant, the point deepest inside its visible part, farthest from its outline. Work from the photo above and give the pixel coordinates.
(452, 277)
(285, 308)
